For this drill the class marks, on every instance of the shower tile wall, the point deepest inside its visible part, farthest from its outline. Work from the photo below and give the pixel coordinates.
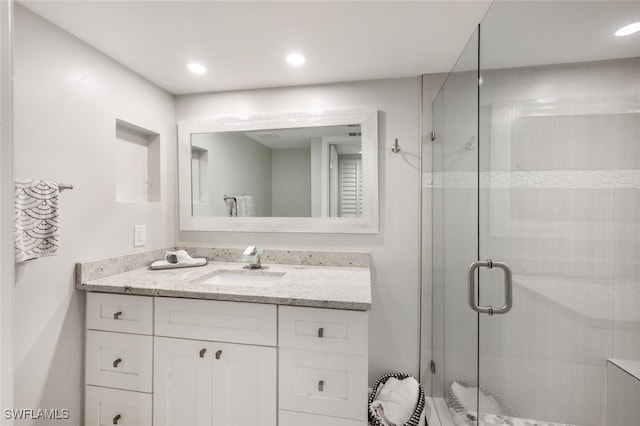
(560, 202)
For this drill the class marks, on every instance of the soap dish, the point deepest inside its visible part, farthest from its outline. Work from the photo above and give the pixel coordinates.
(163, 264)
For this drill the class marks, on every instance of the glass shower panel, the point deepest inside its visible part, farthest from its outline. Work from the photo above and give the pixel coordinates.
(455, 243)
(559, 199)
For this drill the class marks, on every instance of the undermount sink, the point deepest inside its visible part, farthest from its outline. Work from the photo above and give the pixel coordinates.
(241, 278)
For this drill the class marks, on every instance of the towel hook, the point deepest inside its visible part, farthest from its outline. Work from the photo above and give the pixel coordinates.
(395, 148)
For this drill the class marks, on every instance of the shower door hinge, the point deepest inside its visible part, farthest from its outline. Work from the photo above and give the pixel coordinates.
(432, 366)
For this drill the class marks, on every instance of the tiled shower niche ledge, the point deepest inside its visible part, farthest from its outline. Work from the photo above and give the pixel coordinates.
(623, 392)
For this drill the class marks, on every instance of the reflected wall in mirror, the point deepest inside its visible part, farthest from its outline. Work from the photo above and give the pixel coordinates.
(297, 172)
(293, 172)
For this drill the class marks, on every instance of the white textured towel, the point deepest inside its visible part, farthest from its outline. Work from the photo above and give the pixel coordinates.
(396, 401)
(245, 205)
(36, 219)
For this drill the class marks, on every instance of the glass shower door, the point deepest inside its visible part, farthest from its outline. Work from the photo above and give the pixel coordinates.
(559, 119)
(455, 237)
(536, 165)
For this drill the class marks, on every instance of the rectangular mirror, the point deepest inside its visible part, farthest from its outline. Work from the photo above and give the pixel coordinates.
(295, 172)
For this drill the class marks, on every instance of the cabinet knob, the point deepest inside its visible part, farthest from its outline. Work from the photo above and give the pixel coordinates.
(116, 419)
(202, 352)
(321, 385)
(117, 315)
(116, 362)
(218, 353)
(321, 332)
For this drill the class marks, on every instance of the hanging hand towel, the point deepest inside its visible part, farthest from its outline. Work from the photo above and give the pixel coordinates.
(245, 205)
(231, 206)
(36, 219)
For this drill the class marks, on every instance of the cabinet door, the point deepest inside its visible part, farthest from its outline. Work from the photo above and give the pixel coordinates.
(323, 383)
(215, 320)
(182, 386)
(106, 407)
(293, 418)
(319, 329)
(244, 385)
(119, 360)
(122, 313)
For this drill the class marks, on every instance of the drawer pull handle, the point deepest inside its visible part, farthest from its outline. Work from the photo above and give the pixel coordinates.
(117, 315)
(116, 418)
(218, 353)
(116, 362)
(321, 385)
(202, 351)
(321, 332)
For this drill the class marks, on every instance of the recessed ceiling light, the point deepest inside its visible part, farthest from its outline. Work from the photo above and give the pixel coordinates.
(295, 59)
(628, 29)
(197, 68)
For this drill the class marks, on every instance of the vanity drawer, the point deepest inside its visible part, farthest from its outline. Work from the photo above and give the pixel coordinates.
(323, 383)
(234, 322)
(121, 313)
(292, 418)
(119, 360)
(330, 330)
(104, 405)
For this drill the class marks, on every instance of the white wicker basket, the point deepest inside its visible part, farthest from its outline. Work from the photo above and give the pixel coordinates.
(417, 413)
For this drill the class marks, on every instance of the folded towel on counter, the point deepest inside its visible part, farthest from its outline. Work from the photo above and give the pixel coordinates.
(36, 219)
(245, 205)
(178, 259)
(396, 401)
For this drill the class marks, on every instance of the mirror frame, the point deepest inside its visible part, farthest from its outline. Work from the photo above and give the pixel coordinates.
(367, 223)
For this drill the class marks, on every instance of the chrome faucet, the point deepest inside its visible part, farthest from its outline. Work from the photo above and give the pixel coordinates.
(251, 256)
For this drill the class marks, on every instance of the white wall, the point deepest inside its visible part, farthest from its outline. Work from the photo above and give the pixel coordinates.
(243, 164)
(394, 318)
(6, 208)
(291, 177)
(317, 187)
(67, 99)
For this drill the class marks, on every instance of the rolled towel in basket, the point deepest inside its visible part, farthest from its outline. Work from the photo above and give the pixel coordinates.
(396, 400)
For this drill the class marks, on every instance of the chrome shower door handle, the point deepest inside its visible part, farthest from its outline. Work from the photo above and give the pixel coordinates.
(471, 282)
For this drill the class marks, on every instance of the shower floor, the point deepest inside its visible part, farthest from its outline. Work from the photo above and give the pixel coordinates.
(438, 414)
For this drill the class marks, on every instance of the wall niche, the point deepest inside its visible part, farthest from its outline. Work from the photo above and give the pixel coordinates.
(137, 164)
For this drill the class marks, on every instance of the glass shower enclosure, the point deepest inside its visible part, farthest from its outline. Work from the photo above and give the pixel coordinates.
(535, 191)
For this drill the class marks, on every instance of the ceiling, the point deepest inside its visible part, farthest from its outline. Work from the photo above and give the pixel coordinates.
(557, 32)
(244, 44)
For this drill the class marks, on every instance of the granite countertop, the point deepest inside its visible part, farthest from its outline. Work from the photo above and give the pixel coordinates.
(313, 285)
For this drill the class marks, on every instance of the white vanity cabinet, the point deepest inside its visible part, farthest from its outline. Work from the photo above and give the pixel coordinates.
(118, 360)
(209, 382)
(322, 367)
(206, 383)
(200, 362)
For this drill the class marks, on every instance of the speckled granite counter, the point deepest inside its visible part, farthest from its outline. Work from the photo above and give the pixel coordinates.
(328, 279)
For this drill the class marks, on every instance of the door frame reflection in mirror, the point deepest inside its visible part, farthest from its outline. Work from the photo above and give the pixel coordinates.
(367, 223)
